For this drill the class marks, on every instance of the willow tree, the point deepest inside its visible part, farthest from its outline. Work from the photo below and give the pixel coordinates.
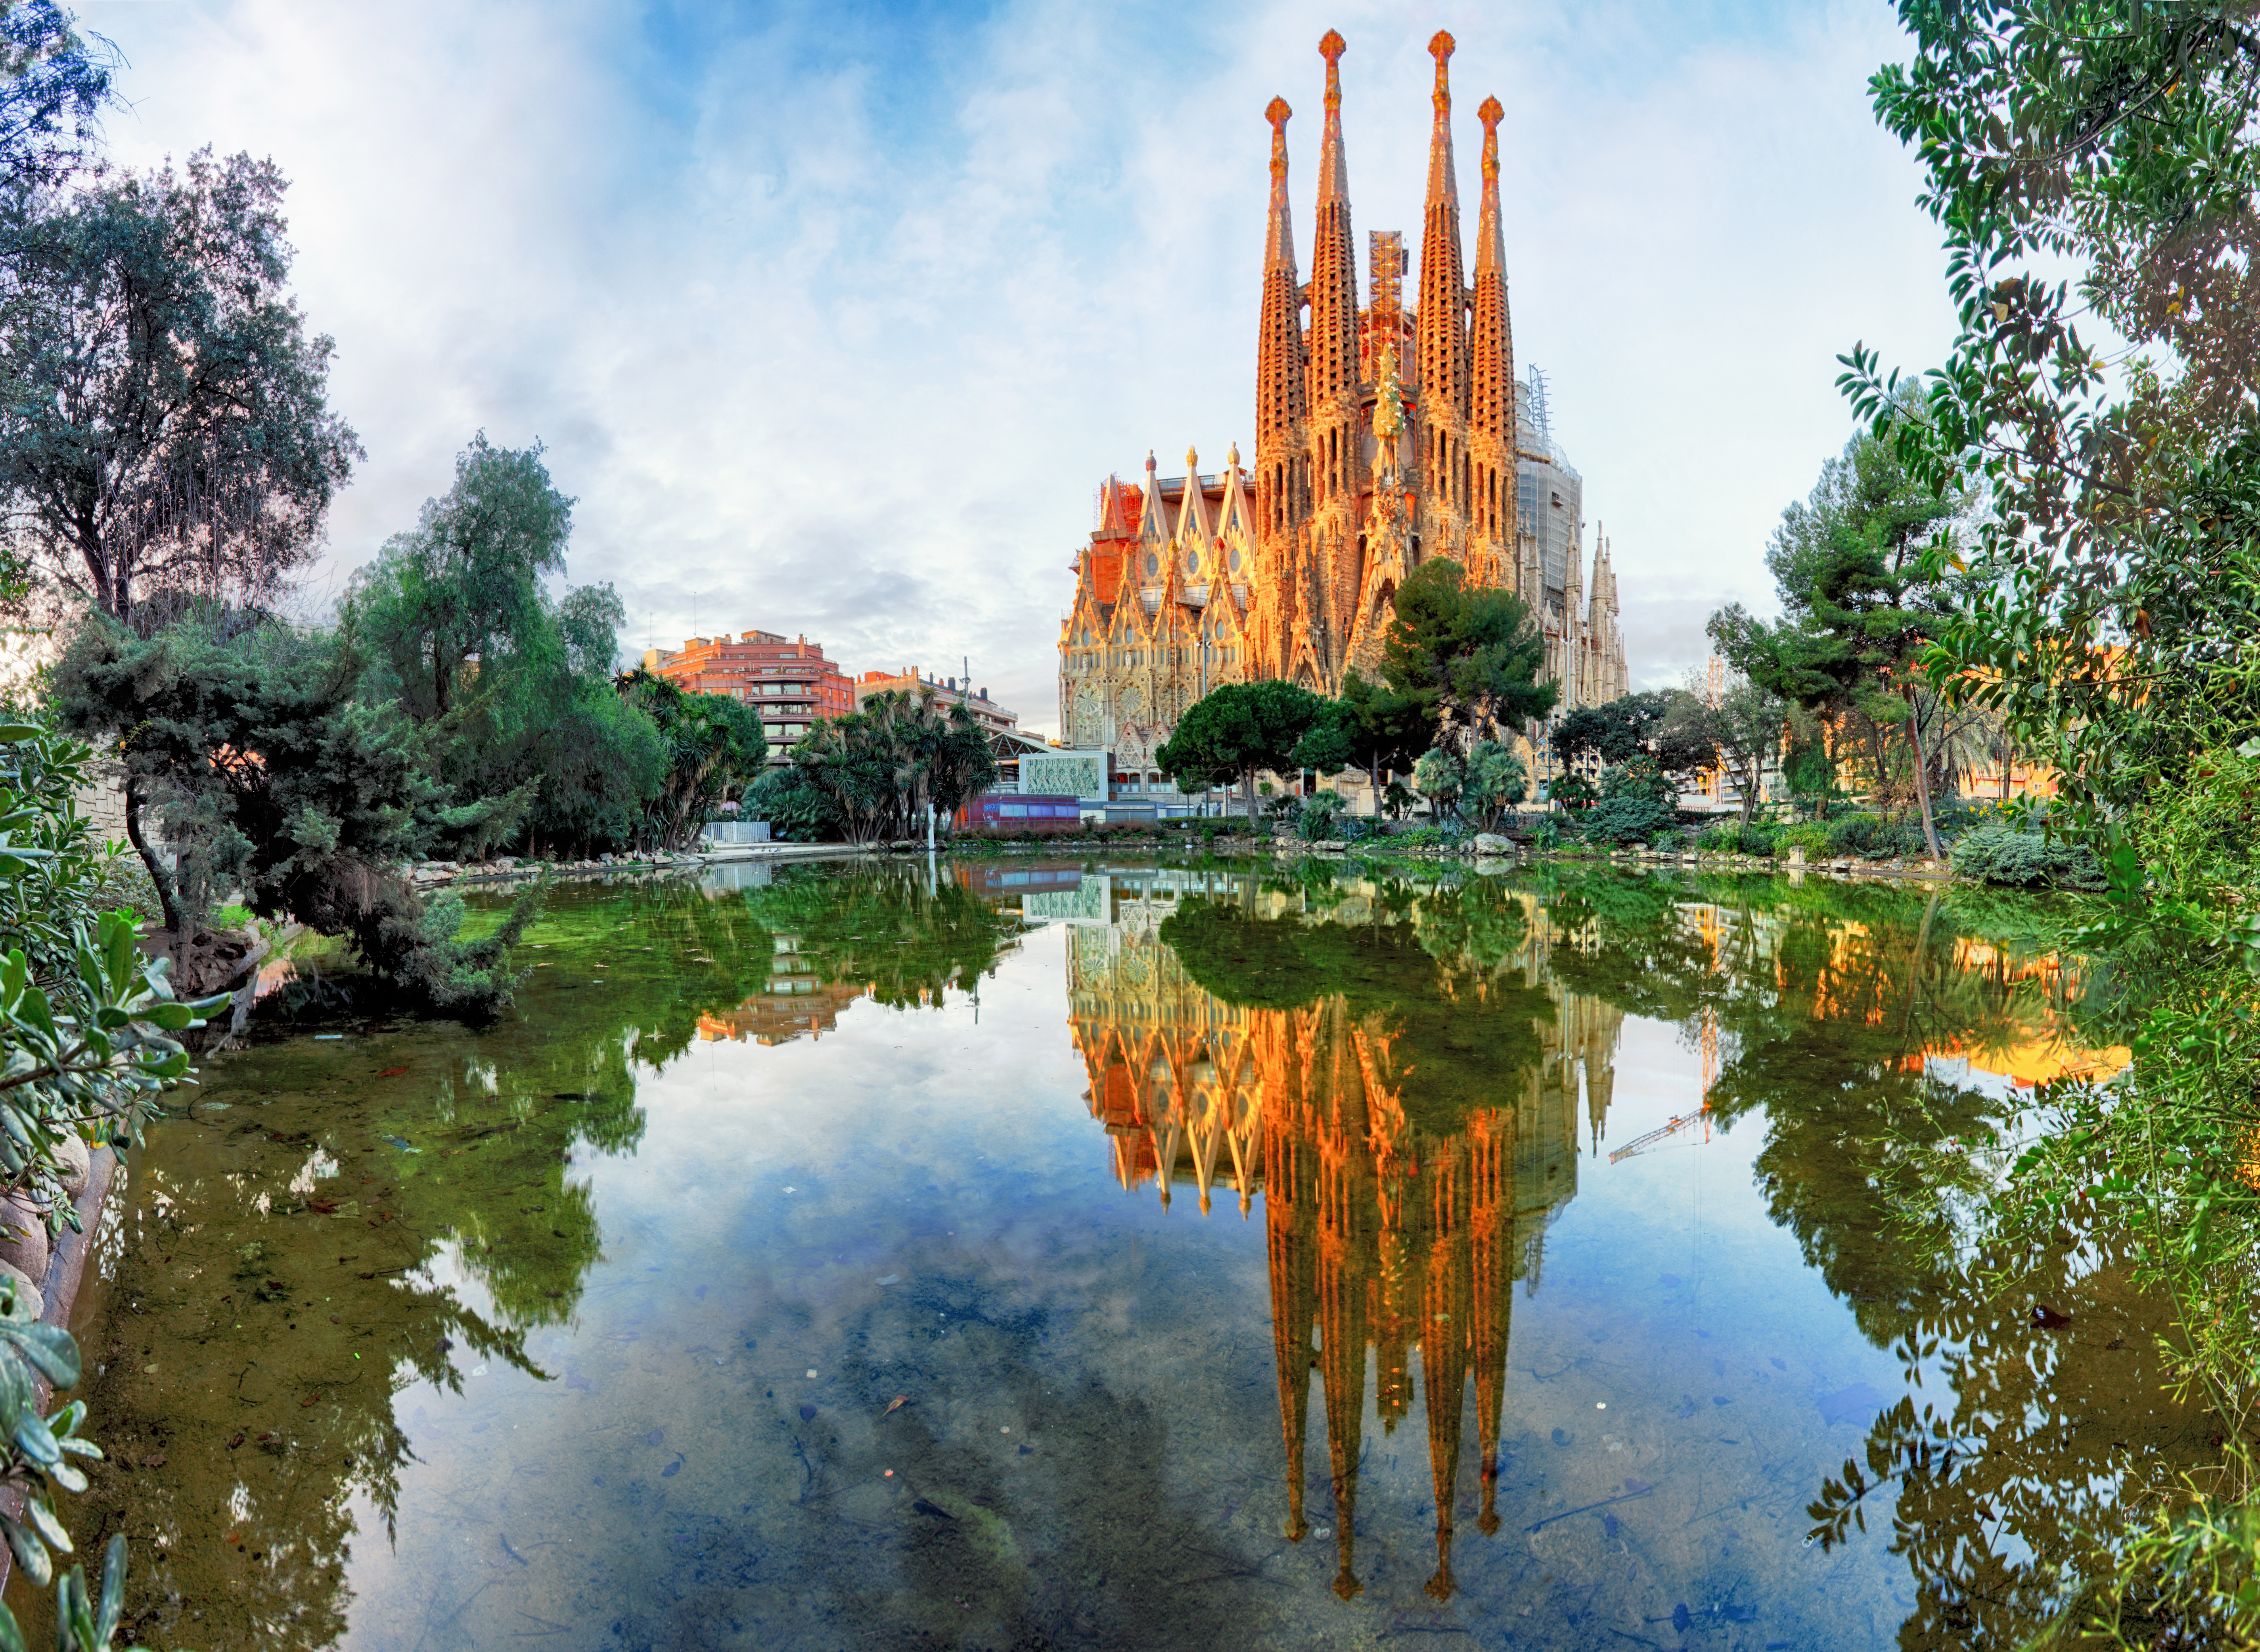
(512, 682)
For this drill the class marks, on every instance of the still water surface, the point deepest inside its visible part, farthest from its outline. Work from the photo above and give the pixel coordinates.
(1126, 1255)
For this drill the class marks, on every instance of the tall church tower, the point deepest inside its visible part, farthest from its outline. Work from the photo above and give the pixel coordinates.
(1492, 457)
(1388, 432)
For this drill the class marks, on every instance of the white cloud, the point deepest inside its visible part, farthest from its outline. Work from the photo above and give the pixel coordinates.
(833, 326)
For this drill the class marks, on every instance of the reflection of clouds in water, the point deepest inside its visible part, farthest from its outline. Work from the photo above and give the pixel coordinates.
(699, 1439)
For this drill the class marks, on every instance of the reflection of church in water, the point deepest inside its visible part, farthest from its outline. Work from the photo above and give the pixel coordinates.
(1380, 1235)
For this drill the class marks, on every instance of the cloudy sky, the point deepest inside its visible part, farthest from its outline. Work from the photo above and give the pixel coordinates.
(834, 317)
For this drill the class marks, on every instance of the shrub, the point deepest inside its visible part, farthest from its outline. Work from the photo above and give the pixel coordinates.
(1630, 817)
(1572, 792)
(1641, 778)
(1812, 837)
(1998, 854)
(1874, 837)
(1734, 837)
(1325, 815)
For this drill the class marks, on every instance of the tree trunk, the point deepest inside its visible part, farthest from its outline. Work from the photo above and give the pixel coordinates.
(1749, 781)
(1921, 776)
(169, 895)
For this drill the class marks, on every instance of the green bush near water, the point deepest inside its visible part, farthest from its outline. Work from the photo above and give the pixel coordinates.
(2000, 854)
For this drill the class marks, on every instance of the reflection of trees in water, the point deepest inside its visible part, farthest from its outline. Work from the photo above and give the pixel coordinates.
(1840, 1009)
(1391, 1066)
(1344, 1041)
(905, 935)
(255, 1283)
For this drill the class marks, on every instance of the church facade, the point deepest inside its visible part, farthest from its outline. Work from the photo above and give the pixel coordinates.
(1387, 432)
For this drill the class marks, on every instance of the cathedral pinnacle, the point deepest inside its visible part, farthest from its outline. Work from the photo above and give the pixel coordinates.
(1440, 46)
(1491, 114)
(1192, 467)
(1334, 166)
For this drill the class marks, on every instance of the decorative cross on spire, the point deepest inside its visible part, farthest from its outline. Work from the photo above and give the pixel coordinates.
(1331, 46)
(1491, 114)
(1440, 46)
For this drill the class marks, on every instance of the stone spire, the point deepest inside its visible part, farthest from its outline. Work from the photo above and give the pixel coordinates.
(1280, 392)
(1443, 289)
(1333, 255)
(1491, 367)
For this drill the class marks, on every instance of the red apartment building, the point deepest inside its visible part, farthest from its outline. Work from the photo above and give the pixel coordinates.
(788, 677)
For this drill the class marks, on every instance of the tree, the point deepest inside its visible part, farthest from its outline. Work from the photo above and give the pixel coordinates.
(167, 429)
(56, 85)
(1464, 659)
(1371, 727)
(1236, 731)
(715, 749)
(270, 775)
(1496, 782)
(798, 810)
(2113, 595)
(882, 767)
(516, 685)
(1668, 726)
(1862, 596)
(1747, 727)
(1440, 777)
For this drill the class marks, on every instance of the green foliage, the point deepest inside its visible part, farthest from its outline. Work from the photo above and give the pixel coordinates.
(1478, 788)
(2114, 596)
(1627, 817)
(56, 85)
(178, 439)
(1440, 777)
(798, 810)
(1496, 782)
(1671, 727)
(1371, 727)
(1874, 837)
(1746, 728)
(1459, 659)
(515, 686)
(1735, 838)
(1573, 791)
(89, 1035)
(1641, 777)
(1325, 817)
(252, 750)
(2000, 854)
(1812, 836)
(1864, 585)
(1238, 729)
(879, 767)
(714, 748)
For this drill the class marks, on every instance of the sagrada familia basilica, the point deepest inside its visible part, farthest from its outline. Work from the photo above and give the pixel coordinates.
(1383, 436)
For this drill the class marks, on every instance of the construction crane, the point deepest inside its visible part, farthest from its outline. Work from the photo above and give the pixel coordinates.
(1684, 1121)
(1664, 1133)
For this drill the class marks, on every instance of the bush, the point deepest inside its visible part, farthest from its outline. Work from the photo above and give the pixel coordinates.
(1734, 837)
(1812, 837)
(1641, 778)
(1873, 837)
(1997, 853)
(795, 806)
(1325, 815)
(1630, 817)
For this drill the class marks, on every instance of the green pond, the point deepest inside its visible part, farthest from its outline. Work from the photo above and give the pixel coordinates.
(1026, 1253)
